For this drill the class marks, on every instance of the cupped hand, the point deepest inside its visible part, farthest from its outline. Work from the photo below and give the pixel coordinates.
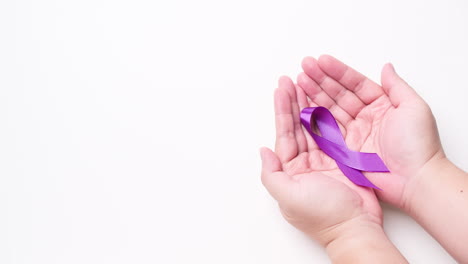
(311, 191)
(389, 119)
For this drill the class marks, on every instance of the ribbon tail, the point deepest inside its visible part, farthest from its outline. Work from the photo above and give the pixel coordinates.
(358, 160)
(356, 176)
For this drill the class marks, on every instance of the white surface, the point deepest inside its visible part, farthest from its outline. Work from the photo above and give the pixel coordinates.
(129, 130)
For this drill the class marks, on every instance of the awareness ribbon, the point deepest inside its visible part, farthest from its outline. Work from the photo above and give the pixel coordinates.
(350, 162)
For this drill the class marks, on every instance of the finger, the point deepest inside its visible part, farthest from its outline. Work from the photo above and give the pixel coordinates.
(303, 103)
(395, 87)
(319, 97)
(286, 83)
(270, 162)
(286, 143)
(302, 98)
(346, 99)
(274, 180)
(364, 88)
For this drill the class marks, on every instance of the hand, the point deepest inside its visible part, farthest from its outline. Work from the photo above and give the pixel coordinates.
(312, 192)
(391, 120)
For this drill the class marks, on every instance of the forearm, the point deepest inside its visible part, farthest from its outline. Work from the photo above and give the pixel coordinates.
(439, 203)
(367, 244)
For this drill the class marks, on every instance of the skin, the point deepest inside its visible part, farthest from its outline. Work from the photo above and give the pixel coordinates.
(389, 119)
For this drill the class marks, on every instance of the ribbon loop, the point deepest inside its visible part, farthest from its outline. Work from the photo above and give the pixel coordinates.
(331, 141)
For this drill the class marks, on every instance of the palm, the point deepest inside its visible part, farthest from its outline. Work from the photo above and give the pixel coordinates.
(314, 192)
(393, 123)
(319, 183)
(391, 120)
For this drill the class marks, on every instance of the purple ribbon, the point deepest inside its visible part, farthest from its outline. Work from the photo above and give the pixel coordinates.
(350, 162)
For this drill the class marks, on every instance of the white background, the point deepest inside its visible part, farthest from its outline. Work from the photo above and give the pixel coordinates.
(129, 130)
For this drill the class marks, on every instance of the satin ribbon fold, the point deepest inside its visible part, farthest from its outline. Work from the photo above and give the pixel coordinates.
(331, 141)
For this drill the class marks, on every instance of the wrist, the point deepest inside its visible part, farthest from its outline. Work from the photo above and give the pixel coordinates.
(438, 204)
(348, 228)
(364, 242)
(424, 181)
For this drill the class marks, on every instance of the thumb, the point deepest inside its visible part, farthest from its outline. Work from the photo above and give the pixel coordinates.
(273, 178)
(395, 87)
(270, 162)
